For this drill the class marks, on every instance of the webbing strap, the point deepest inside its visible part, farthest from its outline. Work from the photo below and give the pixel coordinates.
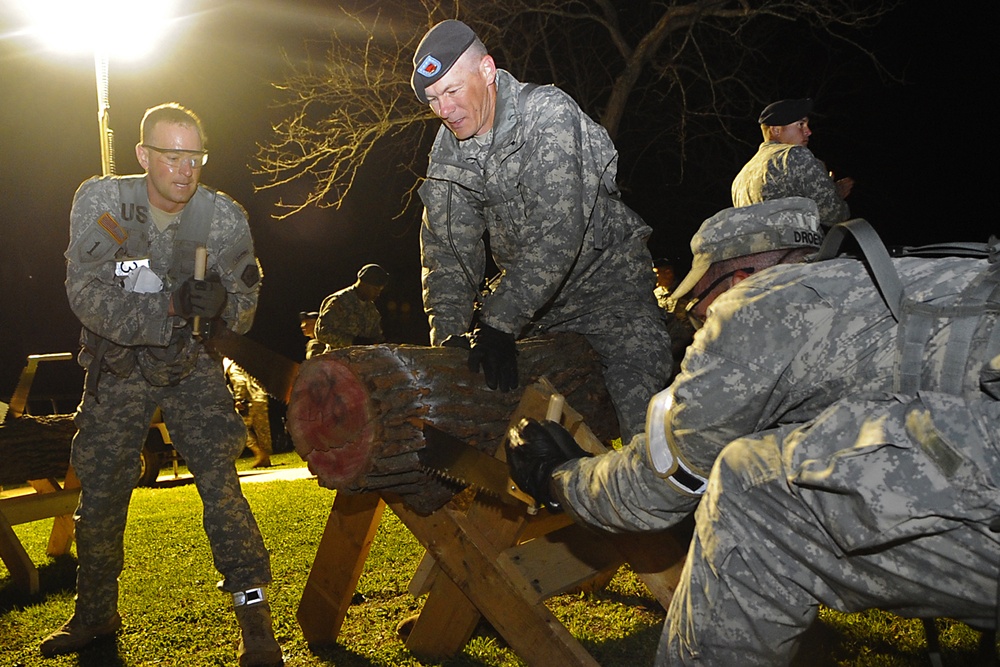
(876, 259)
(950, 249)
(971, 326)
(522, 97)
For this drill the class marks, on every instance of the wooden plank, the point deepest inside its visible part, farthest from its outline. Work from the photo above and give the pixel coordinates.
(465, 553)
(559, 561)
(446, 621)
(22, 570)
(423, 578)
(63, 528)
(340, 559)
(450, 616)
(35, 506)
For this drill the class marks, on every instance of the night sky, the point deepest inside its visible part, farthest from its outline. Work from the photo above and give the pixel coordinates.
(923, 155)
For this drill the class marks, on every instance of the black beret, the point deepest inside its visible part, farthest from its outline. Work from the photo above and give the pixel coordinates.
(308, 315)
(440, 48)
(373, 274)
(785, 112)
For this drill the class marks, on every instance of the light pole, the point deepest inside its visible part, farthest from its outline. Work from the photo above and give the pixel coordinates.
(103, 113)
(129, 27)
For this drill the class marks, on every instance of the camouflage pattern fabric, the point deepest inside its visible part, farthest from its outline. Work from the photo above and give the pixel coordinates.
(197, 408)
(248, 393)
(315, 347)
(783, 170)
(344, 315)
(778, 348)
(573, 257)
(875, 504)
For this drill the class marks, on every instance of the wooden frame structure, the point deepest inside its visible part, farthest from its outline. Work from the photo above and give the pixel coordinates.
(50, 500)
(486, 559)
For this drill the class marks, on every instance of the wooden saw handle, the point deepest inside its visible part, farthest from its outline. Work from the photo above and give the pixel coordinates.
(200, 266)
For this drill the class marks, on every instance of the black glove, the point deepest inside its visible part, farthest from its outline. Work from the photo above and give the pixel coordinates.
(457, 340)
(204, 298)
(534, 450)
(496, 353)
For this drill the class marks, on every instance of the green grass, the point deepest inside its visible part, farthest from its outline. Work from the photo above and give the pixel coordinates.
(174, 616)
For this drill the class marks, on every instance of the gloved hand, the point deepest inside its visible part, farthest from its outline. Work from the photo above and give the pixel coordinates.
(204, 298)
(496, 353)
(457, 340)
(534, 450)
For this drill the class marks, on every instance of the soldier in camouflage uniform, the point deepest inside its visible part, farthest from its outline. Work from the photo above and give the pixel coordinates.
(785, 167)
(889, 499)
(886, 504)
(783, 528)
(528, 166)
(349, 317)
(251, 403)
(129, 279)
(664, 468)
(307, 324)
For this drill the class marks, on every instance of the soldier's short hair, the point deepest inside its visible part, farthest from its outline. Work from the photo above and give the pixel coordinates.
(171, 112)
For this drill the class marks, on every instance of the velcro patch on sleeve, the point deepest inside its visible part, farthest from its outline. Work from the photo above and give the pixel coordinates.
(239, 261)
(250, 275)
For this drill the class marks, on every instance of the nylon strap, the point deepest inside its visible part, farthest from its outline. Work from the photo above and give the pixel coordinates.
(876, 259)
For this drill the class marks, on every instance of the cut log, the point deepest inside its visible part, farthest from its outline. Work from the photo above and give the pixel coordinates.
(356, 414)
(35, 447)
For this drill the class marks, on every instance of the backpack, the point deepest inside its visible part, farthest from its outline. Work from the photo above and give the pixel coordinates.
(972, 315)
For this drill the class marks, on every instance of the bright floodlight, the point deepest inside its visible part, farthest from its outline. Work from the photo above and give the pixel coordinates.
(120, 28)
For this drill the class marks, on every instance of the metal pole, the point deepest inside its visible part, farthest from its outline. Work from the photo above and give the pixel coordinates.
(103, 117)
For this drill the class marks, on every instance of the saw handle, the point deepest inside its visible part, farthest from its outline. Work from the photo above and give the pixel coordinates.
(200, 267)
(553, 413)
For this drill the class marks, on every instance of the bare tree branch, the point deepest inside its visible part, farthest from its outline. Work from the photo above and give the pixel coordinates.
(672, 71)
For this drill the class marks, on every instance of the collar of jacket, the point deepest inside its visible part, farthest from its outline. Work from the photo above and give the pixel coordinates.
(448, 159)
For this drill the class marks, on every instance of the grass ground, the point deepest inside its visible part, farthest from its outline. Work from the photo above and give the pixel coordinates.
(174, 616)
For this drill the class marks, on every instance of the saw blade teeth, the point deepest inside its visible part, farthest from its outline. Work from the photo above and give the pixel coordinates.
(457, 481)
(440, 474)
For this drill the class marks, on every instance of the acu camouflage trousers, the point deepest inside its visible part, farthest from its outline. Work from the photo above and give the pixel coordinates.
(206, 431)
(876, 524)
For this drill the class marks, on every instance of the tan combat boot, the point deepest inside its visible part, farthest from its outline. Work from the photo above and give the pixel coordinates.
(258, 647)
(261, 459)
(74, 635)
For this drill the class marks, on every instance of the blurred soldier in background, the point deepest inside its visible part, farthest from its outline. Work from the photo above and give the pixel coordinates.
(785, 167)
(251, 402)
(307, 323)
(349, 317)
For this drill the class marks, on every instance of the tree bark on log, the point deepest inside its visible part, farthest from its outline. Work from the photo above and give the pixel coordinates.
(356, 414)
(35, 447)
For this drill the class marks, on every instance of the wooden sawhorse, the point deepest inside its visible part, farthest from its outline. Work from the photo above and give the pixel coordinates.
(50, 500)
(497, 560)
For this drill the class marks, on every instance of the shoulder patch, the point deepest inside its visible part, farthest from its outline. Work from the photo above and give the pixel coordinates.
(250, 275)
(111, 226)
